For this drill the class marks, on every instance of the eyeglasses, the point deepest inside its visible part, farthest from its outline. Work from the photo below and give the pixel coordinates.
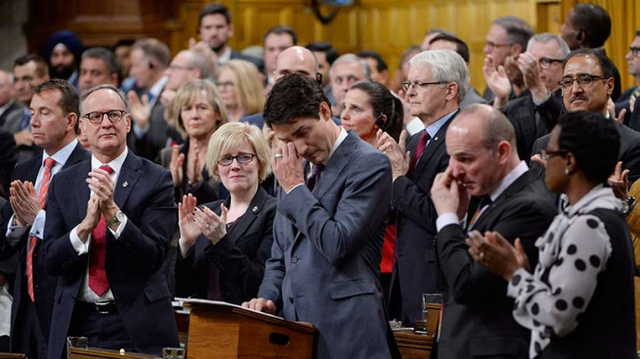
(242, 159)
(496, 45)
(546, 155)
(406, 85)
(582, 80)
(546, 62)
(635, 51)
(97, 116)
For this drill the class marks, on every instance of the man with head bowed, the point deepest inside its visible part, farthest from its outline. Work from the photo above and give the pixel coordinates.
(109, 223)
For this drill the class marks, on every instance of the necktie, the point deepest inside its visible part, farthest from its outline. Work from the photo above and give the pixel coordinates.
(484, 202)
(422, 144)
(42, 197)
(313, 180)
(97, 274)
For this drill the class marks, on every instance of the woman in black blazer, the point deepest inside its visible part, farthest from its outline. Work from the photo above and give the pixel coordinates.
(223, 245)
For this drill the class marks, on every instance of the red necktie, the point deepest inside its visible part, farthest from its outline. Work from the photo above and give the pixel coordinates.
(422, 144)
(97, 274)
(42, 197)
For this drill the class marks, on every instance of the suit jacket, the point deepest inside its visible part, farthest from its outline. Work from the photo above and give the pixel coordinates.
(634, 118)
(7, 160)
(239, 256)
(44, 285)
(150, 144)
(477, 319)
(415, 271)
(11, 121)
(133, 261)
(472, 97)
(325, 259)
(629, 152)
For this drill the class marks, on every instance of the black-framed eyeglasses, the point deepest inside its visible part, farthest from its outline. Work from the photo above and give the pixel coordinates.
(406, 85)
(243, 159)
(96, 117)
(546, 62)
(582, 80)
(546, 155)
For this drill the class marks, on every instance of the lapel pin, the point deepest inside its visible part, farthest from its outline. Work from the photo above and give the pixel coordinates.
(436, 138)
(255, 208)
(125, 184)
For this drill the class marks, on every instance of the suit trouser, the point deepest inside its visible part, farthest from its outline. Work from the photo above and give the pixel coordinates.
(28, 337)
(103, 330)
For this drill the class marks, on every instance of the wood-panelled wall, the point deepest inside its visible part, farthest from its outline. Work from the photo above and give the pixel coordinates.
(388, 26)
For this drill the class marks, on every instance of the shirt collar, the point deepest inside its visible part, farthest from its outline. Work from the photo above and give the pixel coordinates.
(508, 180)
(339, 140)
(62, 156)
(598, 197)
(74, 77)
(116, 164)
(433, 128)
(225, 57)
(158, 86)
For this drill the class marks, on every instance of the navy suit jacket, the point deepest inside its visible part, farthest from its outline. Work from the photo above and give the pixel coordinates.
(133, 261)
(325, 261)
(44, 285)
(416, 270)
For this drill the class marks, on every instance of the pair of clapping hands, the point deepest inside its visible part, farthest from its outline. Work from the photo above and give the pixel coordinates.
(194, 221)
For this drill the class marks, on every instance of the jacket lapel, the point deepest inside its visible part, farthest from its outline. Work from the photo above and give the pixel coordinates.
(249, 216)
(514, 188)
(434, 144)
(336, 164)
(130, 175)
(82, 189)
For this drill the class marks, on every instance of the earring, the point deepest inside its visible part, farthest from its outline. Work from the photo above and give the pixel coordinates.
(566, 171)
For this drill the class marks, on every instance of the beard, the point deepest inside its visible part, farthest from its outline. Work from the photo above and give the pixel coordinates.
(61, 71)
(218, 48)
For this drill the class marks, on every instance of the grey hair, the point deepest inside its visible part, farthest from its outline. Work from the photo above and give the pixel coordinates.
(118, 92)
(563, 48)
(200, 62)
(105, 55)
(350, 58)
(446, 66)
(518, 31)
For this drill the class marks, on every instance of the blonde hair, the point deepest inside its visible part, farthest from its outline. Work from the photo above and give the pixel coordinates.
(188, 93)
(246, 80)
(231, 136)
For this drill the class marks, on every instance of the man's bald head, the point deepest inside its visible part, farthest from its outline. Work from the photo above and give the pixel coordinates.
(486, 120)
(296, 59)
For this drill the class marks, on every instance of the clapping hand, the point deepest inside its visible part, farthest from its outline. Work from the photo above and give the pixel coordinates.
(398, 155)
(498, 255)
(175, 166)
(213, 227)
(189, 229)
(24, 202)
(498, 81)
(140, 109)
(619, 182)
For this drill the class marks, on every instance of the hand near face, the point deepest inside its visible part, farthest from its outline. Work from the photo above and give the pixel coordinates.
(166, 99)
(213, 227)
(530, 68)
(140, 109)
(204, 48)
(398, 155)
(619, 182)
(497, 81)
(261, 305)
(406, 106)
(23, 138)
(498, 255)
(287, 166)
(538, 159)
(24, 202)
(448, 196)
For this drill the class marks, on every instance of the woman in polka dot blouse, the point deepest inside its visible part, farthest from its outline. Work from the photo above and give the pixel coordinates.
(578, 302)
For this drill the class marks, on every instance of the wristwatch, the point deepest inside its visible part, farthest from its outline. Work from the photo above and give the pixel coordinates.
(116, 220)
(628, 205)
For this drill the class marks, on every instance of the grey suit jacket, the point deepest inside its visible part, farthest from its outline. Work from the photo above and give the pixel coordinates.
(472, 97)
(326, 255)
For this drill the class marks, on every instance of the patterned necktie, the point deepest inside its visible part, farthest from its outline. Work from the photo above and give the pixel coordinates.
(97, 274)
(313, 180)
(42, 197)
(422, 144)
(485, 202)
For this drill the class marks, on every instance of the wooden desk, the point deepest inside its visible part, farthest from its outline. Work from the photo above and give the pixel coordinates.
(414, 345)
(11, 356)
(95, 353)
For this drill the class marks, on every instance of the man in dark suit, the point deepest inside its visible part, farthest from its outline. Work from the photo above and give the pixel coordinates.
(54, 125)
(477, 319)
(107, 241)
(437, 83)
(588, 85)
(325, 260)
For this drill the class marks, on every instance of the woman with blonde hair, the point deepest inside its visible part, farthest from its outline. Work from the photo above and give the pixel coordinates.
(241, 89)
(198, 112)
(224, 244)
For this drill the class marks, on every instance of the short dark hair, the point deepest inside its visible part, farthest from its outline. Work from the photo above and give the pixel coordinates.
(282, 30)
(154, 50)
(124, 42)
(385, 103)
(372, 54)
(579, 130)
(69, 100)
(637, 32)
(605, 63)
(322, 46)
(518, 31)
(42, 69)
(294, 96)
(594, 22)
(105, 55)
(461, 47)
(213, 9)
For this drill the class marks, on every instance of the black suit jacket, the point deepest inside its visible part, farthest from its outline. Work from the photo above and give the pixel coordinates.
(477, 319)
(7, 160)
(44, 285)
(239, 256)
(415, 271)
(133, 262)
(629, 152)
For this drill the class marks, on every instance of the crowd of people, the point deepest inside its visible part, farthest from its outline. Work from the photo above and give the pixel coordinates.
(312, 185)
